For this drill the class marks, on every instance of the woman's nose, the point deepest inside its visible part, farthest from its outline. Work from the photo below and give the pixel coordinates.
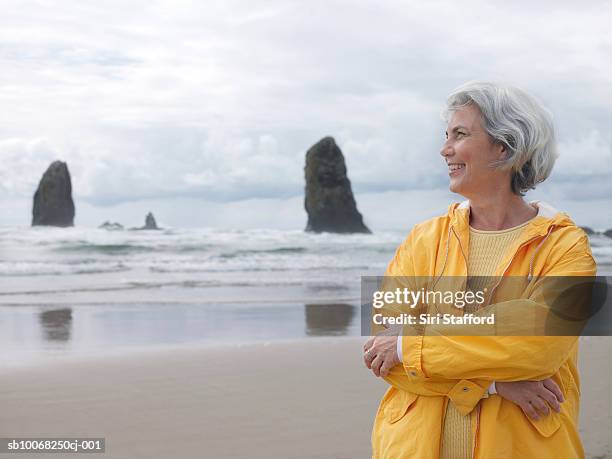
(446, 150)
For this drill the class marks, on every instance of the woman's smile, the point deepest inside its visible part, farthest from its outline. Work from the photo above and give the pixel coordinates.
(455, 169)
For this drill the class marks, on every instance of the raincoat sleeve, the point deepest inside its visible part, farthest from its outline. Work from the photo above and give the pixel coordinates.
(502, 358)
(401, 273)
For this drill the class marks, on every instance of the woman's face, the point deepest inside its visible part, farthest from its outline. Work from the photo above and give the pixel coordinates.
(469, 152)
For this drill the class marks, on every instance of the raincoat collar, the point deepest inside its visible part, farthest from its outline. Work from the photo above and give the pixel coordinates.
(540, 228)
(547, 216)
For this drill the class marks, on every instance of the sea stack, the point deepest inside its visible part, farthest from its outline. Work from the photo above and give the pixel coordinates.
(589, 231)
(150, 223)
(329, 199)
(53, 204)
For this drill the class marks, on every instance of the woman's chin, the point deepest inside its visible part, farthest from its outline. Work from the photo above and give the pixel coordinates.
(454, 187)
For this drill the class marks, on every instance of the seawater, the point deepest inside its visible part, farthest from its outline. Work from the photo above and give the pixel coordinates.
(81, 291)
(78, 291)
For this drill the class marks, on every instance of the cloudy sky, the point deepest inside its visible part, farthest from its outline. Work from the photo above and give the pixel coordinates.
(202, 111)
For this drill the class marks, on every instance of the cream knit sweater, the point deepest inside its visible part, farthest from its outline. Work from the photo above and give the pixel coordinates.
(486, 249)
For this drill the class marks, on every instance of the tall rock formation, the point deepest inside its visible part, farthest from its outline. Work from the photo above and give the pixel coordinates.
(329, 199)
(53, 205)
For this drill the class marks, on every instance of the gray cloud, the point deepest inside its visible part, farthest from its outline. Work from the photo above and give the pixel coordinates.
(220, 100)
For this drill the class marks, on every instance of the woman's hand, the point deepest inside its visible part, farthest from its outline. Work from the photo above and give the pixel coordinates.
(380, 351)
(533, 397)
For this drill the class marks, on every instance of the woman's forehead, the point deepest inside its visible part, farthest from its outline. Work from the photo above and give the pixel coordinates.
(468, 117)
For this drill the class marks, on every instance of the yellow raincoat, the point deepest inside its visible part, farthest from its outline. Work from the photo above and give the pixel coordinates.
(409, 420)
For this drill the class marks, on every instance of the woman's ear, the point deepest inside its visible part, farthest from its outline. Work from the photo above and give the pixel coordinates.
(502, 152)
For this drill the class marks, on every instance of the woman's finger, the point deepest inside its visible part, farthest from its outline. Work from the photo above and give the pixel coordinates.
(550, 398)
(368, 357)
(386, 366)
(554, 388)
(376, 364)
(368, 344)
(529, 410)
(539, 404)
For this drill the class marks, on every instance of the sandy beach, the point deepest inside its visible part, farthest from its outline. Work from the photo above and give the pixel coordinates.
(285, 400)
(301, 399)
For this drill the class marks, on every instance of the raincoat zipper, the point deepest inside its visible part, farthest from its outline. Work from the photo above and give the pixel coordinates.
(475, 442)
(514, 256)
(451, 228)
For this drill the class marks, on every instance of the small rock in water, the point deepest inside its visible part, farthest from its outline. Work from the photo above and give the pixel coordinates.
(588, 230)
(150, 223)
(111, 226)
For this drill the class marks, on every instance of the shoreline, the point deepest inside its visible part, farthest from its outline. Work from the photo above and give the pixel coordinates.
(54, 360)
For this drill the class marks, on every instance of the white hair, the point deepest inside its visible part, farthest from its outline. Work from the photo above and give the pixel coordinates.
(516, 120)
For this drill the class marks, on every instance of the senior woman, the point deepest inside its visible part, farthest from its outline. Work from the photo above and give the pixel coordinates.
(485, 396)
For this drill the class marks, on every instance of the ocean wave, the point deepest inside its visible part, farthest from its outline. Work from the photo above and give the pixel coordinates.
(116, 269)
(254, 269)
(46, 268)
(187, 248)
(104, 248)
(273, 251)
(187, 284)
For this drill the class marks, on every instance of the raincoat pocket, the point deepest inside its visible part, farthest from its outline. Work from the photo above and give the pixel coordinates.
(398, 405)
(546, 425)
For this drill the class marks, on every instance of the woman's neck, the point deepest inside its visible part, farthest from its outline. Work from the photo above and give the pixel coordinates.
(493, 213)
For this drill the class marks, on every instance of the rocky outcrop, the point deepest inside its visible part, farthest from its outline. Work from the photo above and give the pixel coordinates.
(53, 205)
(329, 199)
(589, 231)
(111, 226)
(150, 223)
